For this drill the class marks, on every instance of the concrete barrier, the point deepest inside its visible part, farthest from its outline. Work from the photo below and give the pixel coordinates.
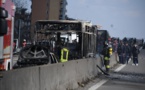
(21, 79)
(61, 76)
(67, 75)
(114, 60)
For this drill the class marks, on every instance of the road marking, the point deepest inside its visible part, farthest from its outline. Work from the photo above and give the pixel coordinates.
(99, 84)
(122, 66)
(119, 68)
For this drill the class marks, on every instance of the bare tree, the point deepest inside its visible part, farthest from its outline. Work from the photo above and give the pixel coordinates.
(21, 4)
(22, 18)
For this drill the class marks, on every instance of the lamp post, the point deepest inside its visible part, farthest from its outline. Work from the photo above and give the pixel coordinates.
(19, 38)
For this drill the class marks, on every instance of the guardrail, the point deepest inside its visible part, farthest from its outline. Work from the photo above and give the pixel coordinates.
(61, 76)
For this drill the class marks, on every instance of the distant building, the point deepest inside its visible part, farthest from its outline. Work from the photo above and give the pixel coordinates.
(48, 10)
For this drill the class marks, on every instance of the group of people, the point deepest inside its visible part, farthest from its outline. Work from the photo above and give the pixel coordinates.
(127, 51)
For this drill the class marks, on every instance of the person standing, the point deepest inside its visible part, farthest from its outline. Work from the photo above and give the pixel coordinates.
(127, 52)
(24, 43)
(119, 51)
(135, 53)
(123, 54)
(106, 54)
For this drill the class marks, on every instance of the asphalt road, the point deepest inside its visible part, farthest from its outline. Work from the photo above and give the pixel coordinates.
(122, 77)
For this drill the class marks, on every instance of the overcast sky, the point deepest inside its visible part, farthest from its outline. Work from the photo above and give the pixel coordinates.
(122, 18)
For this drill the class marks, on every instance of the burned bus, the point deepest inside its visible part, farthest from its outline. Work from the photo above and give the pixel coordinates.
(79, 37)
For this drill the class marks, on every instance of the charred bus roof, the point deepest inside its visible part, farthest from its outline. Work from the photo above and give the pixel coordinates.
(64, 26)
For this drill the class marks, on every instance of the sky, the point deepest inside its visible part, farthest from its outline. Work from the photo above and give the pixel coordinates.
(24, 3)
(122, 18)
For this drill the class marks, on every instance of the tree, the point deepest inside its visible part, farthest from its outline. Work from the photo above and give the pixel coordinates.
(21, 4)
(22, 18)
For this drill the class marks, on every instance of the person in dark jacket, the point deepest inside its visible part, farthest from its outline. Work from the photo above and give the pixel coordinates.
(106, 55)
(119, 50)
(123, 54)
(135, 53)
(127, 53)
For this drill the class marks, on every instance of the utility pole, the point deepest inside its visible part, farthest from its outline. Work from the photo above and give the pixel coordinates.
(19, 38)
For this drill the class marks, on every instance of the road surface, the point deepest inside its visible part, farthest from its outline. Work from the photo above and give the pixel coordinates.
(122, 77)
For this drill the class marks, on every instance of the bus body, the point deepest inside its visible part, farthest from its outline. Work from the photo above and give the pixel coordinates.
(80, 36)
